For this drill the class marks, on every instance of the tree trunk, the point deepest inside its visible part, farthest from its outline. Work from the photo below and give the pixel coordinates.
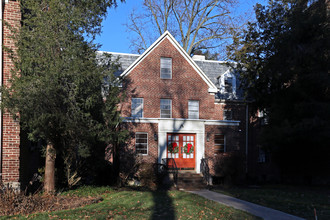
(49, 184)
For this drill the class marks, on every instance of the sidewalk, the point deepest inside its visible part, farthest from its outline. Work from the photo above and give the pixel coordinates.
(257, 210)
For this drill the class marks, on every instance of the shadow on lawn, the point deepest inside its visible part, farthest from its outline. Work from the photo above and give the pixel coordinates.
(163, 205)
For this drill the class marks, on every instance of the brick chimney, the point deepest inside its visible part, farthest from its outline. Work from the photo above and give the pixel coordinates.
(10, 130)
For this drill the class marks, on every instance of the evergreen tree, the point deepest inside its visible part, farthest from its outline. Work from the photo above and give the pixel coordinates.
(284, 63)
(56, 84)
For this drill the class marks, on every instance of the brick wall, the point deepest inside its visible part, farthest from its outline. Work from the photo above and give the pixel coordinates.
(186, 84)
(10, 128)
(128, 157)
(235, 140)
(150, 129)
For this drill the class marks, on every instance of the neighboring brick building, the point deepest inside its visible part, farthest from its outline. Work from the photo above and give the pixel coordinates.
(183, 108)
(10, 130)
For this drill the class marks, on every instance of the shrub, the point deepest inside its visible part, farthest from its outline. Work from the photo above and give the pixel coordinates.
(16, 202)
(147, 175)
(13, 202)
(230, 167)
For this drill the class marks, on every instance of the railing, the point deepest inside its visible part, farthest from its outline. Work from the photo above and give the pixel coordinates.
(160, 169)
(172, 168)
(205, 170)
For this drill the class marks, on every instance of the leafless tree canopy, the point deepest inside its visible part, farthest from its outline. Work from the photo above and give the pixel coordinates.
(198, 25)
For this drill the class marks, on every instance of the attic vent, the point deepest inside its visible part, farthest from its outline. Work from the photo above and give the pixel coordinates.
(198, 57)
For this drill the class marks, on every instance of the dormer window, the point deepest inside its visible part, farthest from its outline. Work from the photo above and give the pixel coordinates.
(227, 85)
(165, 68)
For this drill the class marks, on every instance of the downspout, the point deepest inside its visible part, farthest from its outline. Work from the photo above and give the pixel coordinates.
(1, 72)
(246, 136)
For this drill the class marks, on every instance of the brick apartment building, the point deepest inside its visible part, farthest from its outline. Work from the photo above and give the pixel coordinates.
(182, 108)
(177, 107)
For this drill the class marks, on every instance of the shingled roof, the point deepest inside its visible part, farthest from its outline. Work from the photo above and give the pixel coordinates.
(124, 59)
(212, 69)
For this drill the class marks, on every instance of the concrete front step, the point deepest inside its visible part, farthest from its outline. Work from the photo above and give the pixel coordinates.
(190, 180)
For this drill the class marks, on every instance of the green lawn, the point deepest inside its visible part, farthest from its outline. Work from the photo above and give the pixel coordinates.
(144, 204)
(299, 201)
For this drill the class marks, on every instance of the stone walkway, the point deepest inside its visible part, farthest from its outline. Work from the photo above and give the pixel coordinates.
(257, 210)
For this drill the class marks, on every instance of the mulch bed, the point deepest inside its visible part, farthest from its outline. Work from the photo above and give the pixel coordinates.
(24, 205)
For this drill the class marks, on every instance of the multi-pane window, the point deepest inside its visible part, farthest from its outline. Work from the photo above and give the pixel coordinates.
(219, 143)
(141, 143)
(227, 114)
(229, 84)
(165, 108)
(137, 107)
(165, 68)
(193, 109)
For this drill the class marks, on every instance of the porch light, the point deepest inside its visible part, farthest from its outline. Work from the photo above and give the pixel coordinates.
(208, 137)
(155, 137)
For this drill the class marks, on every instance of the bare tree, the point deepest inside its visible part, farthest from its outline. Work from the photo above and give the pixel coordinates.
(198, 25)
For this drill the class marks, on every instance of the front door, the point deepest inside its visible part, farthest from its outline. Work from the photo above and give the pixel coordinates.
(182, 148)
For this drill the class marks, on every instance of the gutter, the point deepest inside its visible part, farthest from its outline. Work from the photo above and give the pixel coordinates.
(181, 120)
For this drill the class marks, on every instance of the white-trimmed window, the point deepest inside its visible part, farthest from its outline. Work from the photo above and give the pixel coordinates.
(193, 109)
(166, 108)
(137, 107)
(219, 143)
(229, 84)
(227, 114)
(141, 143)
(165, 68)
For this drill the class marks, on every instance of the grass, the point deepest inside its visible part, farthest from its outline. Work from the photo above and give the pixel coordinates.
(143, 204)
(299, 201)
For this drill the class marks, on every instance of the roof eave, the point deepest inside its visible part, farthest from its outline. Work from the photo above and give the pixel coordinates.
(167, 34)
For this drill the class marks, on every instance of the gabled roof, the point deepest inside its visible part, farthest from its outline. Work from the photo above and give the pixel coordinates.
(212, 69)
(167, 35)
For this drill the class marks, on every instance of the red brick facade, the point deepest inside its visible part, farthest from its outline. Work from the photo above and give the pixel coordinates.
(143, 81)
(186, 84)
(10, 129)
(150, 129)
